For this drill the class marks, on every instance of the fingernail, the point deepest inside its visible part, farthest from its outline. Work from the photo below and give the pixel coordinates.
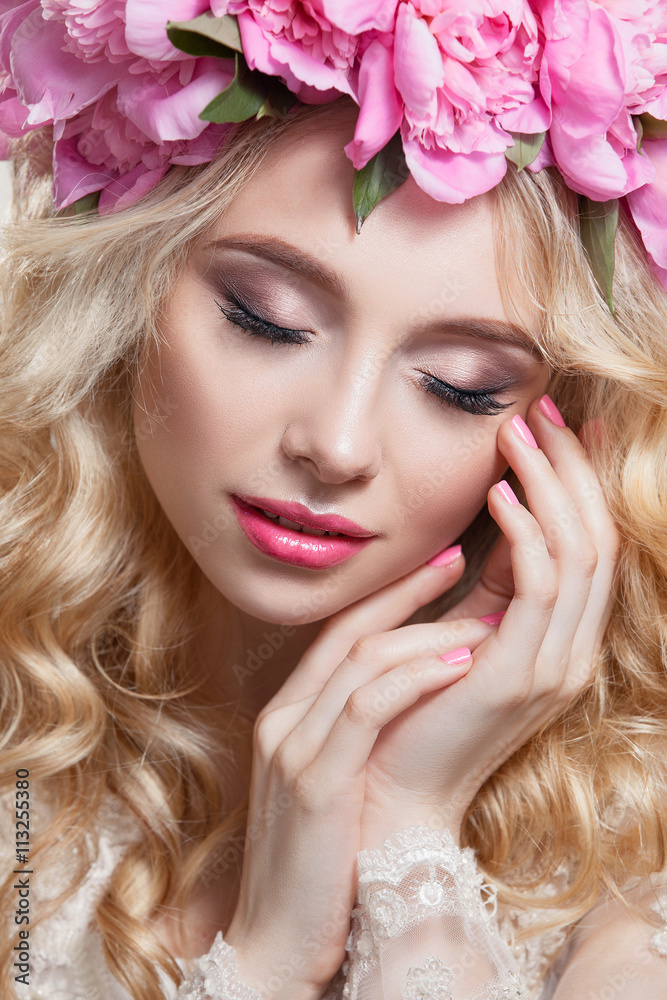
(446, 557)
(547, 406)
(457, 655)
(494, 619)
(507, 493)
(523, 430)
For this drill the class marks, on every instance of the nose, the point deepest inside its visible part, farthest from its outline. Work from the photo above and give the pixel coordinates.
(336, 431)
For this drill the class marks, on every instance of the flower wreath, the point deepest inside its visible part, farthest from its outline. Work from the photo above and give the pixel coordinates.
(448, 91)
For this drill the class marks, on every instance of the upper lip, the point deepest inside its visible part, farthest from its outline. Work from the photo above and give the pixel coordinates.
(297, 512)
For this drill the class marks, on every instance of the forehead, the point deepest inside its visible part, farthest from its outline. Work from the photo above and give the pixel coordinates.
(413, 252)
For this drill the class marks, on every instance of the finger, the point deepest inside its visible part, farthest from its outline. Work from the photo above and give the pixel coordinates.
(569, 457)
(572, 465)
(513, 647)
(380, 611)
(375, 656)
(569, 544)
(494, 589)
(368, 708)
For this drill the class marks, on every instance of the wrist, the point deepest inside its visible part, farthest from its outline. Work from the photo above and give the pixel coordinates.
(273, 974)
(378, 826)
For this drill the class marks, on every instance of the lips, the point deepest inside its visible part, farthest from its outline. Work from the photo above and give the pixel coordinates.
(299, 514)
(258, 518)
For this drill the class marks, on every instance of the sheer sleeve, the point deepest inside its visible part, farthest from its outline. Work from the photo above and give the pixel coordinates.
(216, 976)
(423, 928)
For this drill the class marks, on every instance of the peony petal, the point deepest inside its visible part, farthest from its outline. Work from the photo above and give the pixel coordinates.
(589, 165)
(204, 148)
(596, 91)
(565, 24)
(11, 16)
(648, 204)
(129, 188)
(544, 159)
(414, 45)
(531, 118)
(355, 16)
(306, 68)
(73, 176)
(167, 112)
(53, 83)
(380, 111)
(453, 177)
(146, 25)
(13, 116)
(257, 51)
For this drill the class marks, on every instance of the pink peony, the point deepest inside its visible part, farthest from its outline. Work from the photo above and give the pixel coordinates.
(124, 103)
(475, 65)
(294, 40)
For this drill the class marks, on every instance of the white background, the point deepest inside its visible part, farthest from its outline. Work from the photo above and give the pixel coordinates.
(5, 187)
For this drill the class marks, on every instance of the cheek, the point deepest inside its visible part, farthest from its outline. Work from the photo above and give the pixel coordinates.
(193, 416)
(447, 480)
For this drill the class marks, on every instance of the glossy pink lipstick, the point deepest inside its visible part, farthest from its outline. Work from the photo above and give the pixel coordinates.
(288, 543)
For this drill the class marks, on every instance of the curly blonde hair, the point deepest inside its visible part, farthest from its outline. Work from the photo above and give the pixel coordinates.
(99, 592)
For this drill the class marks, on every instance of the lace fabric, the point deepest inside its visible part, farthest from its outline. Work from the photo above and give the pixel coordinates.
(425, 927)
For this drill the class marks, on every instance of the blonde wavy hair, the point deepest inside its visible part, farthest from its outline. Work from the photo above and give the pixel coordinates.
(98, 592)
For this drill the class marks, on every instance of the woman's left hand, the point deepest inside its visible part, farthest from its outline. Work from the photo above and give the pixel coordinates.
(555, 565)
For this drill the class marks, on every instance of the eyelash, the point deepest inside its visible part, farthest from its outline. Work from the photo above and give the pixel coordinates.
(246, 320)
(480, 403)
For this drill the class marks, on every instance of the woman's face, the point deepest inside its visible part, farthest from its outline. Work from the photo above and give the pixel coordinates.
(360, 376)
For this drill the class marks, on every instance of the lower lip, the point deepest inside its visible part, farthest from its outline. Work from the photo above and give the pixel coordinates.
(293, 547)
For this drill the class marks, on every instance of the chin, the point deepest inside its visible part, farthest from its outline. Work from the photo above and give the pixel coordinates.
(279, 604)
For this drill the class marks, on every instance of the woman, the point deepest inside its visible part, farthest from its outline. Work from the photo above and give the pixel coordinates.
(210, 708)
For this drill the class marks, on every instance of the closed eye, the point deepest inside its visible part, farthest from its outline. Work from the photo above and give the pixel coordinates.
(478, 402)
(249, 321)
(482, 403)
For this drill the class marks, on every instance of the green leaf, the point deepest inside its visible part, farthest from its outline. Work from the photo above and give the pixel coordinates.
(206, 35)
(651, 128)
(279, 99)
(597, 225)
(242, 99)
(382, 174)
(525, 148)
(88, 203)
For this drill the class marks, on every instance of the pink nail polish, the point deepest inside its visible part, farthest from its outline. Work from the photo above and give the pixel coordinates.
(507, 493)
(446, 557)
(457, 655)
(547, 406)
(494, 619)
(523, 430)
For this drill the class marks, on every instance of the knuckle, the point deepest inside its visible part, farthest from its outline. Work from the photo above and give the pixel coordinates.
(586, 561)
(358, 708)
(365, 650)
(261, 736)
(307, 792)
(546, 593)
(285, 762)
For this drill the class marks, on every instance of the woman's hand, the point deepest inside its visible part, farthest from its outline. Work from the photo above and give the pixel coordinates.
(311, 746)
(555, 565)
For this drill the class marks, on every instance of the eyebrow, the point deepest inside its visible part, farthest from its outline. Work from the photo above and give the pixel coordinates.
(277, 251)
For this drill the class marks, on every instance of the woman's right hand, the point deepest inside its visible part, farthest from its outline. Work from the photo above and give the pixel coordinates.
(298, 882)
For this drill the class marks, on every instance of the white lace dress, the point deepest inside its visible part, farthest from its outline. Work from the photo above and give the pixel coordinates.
(425, 927)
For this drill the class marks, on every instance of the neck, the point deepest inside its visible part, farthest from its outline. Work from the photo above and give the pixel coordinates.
(244, 661)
